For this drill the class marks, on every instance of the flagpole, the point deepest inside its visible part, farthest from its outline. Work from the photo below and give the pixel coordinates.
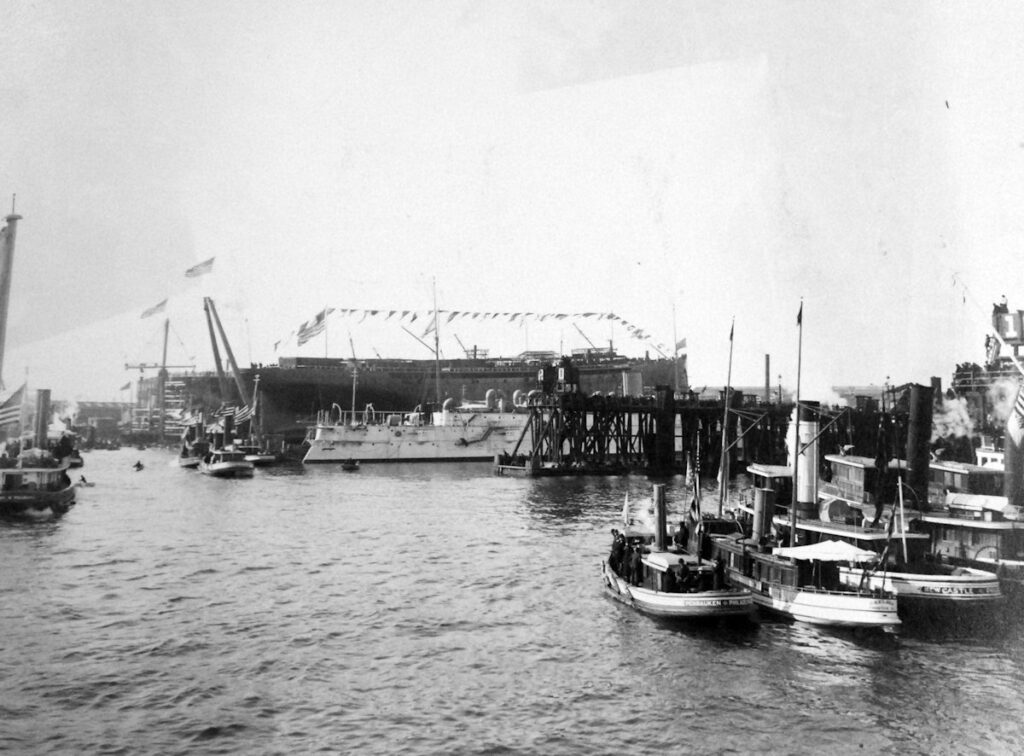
(675, 342)
(437, 353)
(796, 442)
(723, 465)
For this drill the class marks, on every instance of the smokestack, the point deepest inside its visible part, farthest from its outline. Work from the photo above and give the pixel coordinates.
(660, 524)
(42, 424)
(804, 433)
(7, 235)
(767, 379)
(919, 434)
(764, 510)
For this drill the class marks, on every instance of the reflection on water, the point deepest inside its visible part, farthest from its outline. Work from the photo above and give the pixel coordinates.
(428, 609)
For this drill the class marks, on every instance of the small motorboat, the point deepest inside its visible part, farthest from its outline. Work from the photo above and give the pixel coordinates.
(226, 463)
(350, 465)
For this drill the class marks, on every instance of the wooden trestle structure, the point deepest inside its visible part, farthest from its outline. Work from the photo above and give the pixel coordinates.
(575, 434)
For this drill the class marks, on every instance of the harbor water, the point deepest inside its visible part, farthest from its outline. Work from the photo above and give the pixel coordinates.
(429, 608)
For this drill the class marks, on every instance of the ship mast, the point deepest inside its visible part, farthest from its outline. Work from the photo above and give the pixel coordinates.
(7, 235)
(437, 353)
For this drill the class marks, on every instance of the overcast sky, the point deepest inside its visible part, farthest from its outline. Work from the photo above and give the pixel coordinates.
(716, 159)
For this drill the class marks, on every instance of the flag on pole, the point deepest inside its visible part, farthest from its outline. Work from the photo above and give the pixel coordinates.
(200, 270)
(681, 344)
(309, 330)
(800, 314)
(157, 308)
(1015, 422)
(126, 386)
(10, 410)
(731, 329)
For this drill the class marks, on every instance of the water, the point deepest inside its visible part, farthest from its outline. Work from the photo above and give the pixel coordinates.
(427, 609)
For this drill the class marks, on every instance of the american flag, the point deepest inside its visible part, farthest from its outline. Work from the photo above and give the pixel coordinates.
(309, 330)
(10, 410)
(1015, 422)
(201, 269)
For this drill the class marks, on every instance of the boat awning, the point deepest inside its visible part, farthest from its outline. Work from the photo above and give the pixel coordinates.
(828, 551)
(664, 560)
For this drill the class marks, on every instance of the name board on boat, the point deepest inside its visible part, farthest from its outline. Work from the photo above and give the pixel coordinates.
(1009, 326)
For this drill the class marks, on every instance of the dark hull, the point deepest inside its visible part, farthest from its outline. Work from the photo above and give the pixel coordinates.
(292, 393)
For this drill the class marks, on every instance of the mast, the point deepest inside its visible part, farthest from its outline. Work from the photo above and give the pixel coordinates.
(437, 353)
(723, 465)
(355, 376)
(796, 435)
(222, 380)
(7, 236)
(231, 357)
(675, 344)
(161, 384)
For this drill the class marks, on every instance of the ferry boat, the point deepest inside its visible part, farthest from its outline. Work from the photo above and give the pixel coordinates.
(908, 564)
(668, 581)
(476, 433)
(225, 463)
(35, 485)
(802, 583)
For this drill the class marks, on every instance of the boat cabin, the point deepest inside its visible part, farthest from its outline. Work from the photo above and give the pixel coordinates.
(857, 480)
(741, 557)
(899, 548)
(34, 479)
(972, 529)
(674, 572)
(779, 478)
(962, 477)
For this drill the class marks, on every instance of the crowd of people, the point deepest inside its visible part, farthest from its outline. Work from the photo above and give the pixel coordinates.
(626, 560)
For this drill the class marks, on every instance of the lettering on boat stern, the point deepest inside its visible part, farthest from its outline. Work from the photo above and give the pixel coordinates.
(955, 590)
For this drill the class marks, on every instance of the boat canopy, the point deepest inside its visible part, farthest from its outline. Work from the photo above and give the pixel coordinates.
(981, 502)
(828, 551)
(663, 561)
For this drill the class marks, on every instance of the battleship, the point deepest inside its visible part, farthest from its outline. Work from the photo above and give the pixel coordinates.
(295, 389)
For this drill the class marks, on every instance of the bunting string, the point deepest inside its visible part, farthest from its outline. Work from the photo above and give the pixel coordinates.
(314, 326)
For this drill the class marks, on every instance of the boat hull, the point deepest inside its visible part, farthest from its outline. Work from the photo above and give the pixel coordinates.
(481, 437)
(713, 604)
(227, 469)
(36, 503)
(823, 607)
(964, 586)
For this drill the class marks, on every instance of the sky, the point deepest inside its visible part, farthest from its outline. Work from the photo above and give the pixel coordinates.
(681, 165)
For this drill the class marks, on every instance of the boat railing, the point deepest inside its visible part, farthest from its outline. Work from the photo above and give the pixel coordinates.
(336, 417)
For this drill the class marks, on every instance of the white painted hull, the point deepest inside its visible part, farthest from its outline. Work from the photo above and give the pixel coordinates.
(700, 605)
(968, 586)
(227, 469)
(480, 437)
(821, 607)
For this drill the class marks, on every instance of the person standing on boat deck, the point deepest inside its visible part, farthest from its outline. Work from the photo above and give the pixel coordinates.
(682, 534)
(636, 566)
(615, 558)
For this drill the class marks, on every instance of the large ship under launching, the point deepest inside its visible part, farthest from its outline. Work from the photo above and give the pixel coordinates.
(294, 390)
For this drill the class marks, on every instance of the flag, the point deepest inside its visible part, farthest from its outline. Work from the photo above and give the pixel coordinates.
(1015, 422)
(800, 314)
(126, 386)
(199, 270)
(731, 329)
(10, 410)
(160, 307)
(309, 330)
(681, 344)
(243, 414)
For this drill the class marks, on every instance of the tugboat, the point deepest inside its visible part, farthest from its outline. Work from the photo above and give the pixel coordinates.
(665, 581)
(35, 484)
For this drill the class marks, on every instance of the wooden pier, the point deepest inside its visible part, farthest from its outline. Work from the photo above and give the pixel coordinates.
(573, 434)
